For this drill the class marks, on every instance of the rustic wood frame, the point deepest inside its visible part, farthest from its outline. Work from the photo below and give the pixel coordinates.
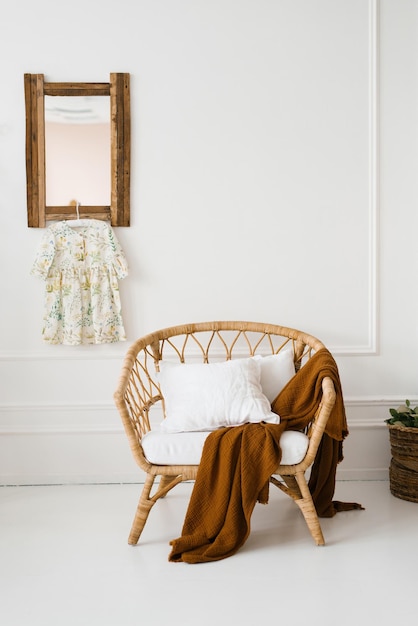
(118, 213)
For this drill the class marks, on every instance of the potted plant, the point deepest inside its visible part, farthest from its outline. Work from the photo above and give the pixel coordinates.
(403, 434)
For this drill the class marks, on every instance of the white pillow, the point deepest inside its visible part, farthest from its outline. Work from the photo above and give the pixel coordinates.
(276, 371)
(206, 396)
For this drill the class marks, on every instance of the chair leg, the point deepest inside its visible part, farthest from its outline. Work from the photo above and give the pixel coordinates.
(307, 507)
(145, 504)
(164, 482)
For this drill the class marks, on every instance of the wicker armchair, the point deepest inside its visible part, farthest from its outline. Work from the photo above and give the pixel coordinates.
(140, 403)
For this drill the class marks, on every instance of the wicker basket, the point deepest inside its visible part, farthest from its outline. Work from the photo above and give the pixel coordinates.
(403, 471)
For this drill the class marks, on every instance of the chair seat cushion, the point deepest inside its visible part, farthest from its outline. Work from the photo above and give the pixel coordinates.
(162, 448)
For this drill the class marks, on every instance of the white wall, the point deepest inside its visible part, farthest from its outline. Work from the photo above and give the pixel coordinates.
(274, 160)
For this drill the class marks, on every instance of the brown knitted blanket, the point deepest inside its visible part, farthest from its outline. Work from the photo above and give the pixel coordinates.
(237, 463)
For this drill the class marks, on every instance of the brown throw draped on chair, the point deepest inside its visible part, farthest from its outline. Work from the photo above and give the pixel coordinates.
(296, 404)
(237, 463)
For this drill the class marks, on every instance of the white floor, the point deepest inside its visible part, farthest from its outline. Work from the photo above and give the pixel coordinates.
(64, 560)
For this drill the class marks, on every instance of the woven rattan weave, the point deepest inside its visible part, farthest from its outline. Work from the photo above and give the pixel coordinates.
(403, 471)
(139, 401)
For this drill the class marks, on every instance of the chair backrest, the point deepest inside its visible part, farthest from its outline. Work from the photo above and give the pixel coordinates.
(138, 394)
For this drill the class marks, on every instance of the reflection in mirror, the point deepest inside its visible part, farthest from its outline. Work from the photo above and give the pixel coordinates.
(77, 150)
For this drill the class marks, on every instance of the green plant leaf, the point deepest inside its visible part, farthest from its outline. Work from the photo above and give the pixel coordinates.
(404, 415)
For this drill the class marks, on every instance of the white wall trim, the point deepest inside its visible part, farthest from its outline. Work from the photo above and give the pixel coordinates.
(41, 419)
(362, 411)
(59, 353)
(372, 346)
(374, 169)
(73, 456)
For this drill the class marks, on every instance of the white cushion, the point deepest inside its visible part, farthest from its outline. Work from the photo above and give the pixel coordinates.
(186, 448)
(275, 371)
(206, 396)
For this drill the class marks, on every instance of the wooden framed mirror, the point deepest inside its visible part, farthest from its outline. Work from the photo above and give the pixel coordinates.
(114, 207)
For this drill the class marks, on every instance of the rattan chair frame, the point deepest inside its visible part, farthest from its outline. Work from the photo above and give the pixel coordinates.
(138, 395)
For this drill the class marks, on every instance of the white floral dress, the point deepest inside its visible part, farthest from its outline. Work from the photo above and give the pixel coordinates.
(81, 266)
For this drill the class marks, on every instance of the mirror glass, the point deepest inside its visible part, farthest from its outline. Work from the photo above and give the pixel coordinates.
(77, 150)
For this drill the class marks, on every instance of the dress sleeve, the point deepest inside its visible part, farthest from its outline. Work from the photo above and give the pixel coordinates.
(44, 256)
(119, 262)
